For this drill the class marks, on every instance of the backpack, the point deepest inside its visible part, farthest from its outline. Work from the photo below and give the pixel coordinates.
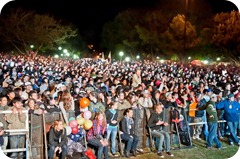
(184, 138)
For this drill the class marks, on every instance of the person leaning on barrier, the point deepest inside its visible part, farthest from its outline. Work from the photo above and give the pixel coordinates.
(16, 120)
(156, 124)
(127, 133)
(231, 110)
(212, 120)
(3, 119)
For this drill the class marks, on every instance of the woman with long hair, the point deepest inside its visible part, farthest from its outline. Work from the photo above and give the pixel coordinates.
(57, 140)
(66, 104)
(96, 136)
(112, 125)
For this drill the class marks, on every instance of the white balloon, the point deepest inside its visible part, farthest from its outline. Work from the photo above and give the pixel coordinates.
(68, 130)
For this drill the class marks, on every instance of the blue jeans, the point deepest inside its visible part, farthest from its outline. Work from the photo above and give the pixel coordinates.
(212, 135)
(232, 128)
(100, 148)
(52, 149)
(131, 142)
(16, 141)
(205, 126)
(163, 136)
(112, 131)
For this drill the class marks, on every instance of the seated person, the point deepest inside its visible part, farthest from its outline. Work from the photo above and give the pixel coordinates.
(96, 136)
(127, 133)
(156, 125)
(57, 140)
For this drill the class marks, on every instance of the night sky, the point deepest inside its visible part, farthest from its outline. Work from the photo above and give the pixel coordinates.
(90, 15)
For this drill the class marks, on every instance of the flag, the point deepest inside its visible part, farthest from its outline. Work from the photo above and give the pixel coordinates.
(109, 56)
(103, 58)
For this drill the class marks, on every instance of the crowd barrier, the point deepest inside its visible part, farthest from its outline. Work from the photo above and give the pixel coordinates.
(36, 139)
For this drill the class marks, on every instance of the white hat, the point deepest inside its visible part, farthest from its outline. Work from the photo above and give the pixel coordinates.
(28, 83)
(167, 94)
(145, 92)
(60, 85)
(18, 84)
(213, 95)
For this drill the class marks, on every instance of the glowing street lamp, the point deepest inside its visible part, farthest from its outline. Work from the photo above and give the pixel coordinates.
(65, 51)
(31, 46)
(189, 58)
(138, 57)
(205, 62)
(218, 59)
(121, 54)
(127, 59)
(59, 48)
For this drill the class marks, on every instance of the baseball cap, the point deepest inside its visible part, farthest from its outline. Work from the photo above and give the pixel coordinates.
(28, 83)
(213, 95)
(230, 95)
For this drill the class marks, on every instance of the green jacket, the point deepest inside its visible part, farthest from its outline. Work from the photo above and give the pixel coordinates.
(211, 110)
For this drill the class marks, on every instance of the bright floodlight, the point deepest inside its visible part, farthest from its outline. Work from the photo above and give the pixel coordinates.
(31, 46)
(189, 58)
(157, 57)
(137, 56)
(65, 51)
(56, 56)
(162, 61)
(67, 54)
(75, 56)
(59, 48)
(205, 62)
(218, 59)
(127, 59)
(121, 53)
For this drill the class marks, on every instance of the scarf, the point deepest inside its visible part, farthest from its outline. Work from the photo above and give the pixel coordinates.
(129, 123)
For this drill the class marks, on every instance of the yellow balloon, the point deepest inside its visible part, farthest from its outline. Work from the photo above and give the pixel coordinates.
(87, 124)
(80, 120)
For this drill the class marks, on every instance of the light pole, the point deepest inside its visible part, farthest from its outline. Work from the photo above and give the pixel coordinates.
(121, 54)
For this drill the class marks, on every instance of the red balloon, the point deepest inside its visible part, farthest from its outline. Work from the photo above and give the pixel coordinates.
(74, 130)
(84, 102)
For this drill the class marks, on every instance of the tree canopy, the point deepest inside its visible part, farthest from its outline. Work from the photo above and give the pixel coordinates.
(22, 28)
(227, 34)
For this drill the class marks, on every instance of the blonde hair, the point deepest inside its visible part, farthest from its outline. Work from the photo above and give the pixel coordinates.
(66, 99)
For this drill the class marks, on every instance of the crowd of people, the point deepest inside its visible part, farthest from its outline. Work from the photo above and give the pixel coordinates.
(45, 85)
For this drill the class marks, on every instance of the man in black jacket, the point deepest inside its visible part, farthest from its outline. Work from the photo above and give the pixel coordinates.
(156, 123)
(127, 133)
